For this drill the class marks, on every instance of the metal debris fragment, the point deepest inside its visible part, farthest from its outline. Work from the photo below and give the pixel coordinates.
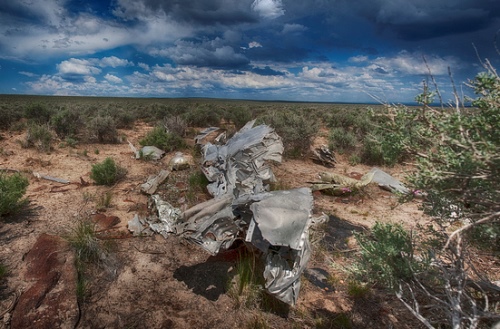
(151, 185)
(53, 179)
(324, 156)
(178, 162)
(386, 181)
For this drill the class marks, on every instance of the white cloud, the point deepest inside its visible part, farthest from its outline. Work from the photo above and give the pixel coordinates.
(56, 32)
(113, 78)
(144, 66)
(254, 44)
(414, 64)
(114, 62)
(358, 59)
(28, 74)
(268, 8)
(75, 66)
(293, 28)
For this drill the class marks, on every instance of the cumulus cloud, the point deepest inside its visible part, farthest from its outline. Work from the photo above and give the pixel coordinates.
(75, 66)
(268, 8)
(113, 78)
(358, 59)
(293, 28)
(212, 53)
(196, 12)
(254, 44)
(414, 64)
(143, 66)
(114, 62)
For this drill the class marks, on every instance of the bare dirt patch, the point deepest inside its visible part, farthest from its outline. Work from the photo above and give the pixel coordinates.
(152, 282)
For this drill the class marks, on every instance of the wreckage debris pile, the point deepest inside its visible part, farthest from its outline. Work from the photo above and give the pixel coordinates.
(243, 208)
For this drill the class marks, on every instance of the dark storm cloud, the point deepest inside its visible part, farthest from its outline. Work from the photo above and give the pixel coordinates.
(209, 53)
(426, 19)
(198, 12)
(12, 11)
(278, 53)
(266, 71)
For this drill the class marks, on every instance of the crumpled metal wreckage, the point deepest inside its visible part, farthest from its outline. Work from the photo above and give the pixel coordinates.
(276, 223)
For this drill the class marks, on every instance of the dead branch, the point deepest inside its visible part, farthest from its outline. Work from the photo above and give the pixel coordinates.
(486, 219)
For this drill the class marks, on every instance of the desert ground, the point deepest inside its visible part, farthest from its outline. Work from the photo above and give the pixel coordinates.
(157, 282)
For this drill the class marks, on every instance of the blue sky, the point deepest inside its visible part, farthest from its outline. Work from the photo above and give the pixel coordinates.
(310, 50)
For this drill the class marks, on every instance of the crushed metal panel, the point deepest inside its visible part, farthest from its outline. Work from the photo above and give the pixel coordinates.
(280, 228)
(283, 280)
(178, 162)
(283, 216)
(168, 217)
(150, 152)
(139, 227)
(217, 232)
(151, 185)
(386, 181)
(240, 164)
(204, 133)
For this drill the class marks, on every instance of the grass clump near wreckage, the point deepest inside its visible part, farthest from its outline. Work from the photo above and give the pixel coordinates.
(107, 172)
(12, 189)
(89, 250)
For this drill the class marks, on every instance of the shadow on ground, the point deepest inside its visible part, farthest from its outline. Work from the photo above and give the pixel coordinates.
(337, 231)
(208, 279)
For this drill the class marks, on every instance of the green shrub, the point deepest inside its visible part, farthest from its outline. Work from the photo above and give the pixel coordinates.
(39, 136)
(8, 116)
(371, 152)
(387, 256)
(295, 129)
(203, 116)
(175, 125)
(344, 118)
(103, 129)
(246, 287)
(239, 116)
(123, 119)
(12, 189)
(67, 122)
(107, 172)
(38, 113)
(162, 139)
(342, 139)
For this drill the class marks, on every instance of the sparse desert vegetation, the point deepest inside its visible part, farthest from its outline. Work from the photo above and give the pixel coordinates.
(427, 259)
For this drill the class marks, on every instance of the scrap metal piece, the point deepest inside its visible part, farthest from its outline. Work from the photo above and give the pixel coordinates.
(178, 162)
(150, 152)
(239, 166)
(279, 227)
(139, 227)
(204, 133)
(53, 179)
(151, 185)
(169, 216)
(324, 156)
(282, 216)
(386, 181)
(216, 233)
